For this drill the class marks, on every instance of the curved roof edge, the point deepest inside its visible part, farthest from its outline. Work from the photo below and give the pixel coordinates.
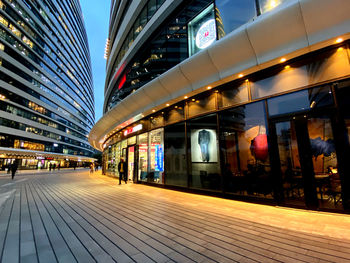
(291, 30)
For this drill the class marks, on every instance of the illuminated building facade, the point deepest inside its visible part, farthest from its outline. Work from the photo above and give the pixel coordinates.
(46, 92)
(245, 99)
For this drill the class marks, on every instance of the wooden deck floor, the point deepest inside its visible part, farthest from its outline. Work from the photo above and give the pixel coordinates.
(77, 217)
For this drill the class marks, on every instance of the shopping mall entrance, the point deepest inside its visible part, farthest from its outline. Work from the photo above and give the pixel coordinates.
(305, 154)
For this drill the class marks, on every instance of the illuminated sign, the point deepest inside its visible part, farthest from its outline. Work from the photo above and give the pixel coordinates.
(206, 34)
(133, 129)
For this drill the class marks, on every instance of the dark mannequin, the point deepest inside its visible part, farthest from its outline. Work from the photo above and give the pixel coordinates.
(203, 141)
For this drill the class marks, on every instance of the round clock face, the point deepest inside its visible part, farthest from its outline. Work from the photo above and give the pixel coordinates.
(206, 34)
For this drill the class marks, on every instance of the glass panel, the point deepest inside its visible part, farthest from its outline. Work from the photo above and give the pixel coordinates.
(204, 153)
(201, 104)
(245, 151)
(232, 14)
(267, 5)
(152, 8)
(143, 17)
(131, 162)
(314, 69)
(343, 97)
(202, 31)
(132, 140)
(292, 181)
(124, 144)
(175, 114)
(137, 28)
(156, 142)
(143, 157)
(325, 162)
(157, 120)
(175, 155)
(300, 101)
(234, 95)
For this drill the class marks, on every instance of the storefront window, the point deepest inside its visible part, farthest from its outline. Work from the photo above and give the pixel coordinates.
(175, 155)
(202, 31)
(116, 158)
(156, 142)
(244, 148)
(203, 152)
(143, 157)
(233, 95)
(202, 104)
(300, 101)
(176, 113)
(132, 140)
(232, 14)
(318, 68)
(157, 120)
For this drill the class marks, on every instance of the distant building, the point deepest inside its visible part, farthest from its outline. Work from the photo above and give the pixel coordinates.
(247, 99)
(46, 91)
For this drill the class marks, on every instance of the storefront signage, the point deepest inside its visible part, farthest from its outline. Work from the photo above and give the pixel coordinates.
(133, 129)
(206, 34)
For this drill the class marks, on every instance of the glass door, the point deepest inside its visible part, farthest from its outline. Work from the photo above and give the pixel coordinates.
(291, 177)
(131, 163)
(307, 161)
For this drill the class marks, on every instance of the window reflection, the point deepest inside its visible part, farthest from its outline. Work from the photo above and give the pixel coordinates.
(245, 151)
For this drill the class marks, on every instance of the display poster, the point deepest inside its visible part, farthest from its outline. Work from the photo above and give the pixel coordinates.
(159, 158)
(204, 146)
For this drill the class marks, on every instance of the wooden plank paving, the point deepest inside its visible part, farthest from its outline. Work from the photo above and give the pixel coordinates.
(77, 217)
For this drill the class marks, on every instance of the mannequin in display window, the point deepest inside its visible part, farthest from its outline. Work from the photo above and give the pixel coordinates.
(203, 141)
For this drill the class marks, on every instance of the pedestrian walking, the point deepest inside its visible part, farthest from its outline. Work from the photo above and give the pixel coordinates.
(91, 168)
(9, 168)
(14, 167)
(50, 166)
(121, 170)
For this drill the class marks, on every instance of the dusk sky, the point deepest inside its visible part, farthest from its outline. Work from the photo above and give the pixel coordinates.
(96, 16)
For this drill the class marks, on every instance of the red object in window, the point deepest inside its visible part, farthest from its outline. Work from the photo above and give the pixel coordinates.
(260, 147)
(122, 82)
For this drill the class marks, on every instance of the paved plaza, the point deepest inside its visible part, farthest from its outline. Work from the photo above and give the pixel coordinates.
(74, 216)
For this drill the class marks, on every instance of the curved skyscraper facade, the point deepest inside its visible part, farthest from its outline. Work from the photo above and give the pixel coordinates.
(46, 90)
(246, 99)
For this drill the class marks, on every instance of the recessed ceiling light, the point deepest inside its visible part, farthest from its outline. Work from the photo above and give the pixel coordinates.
(240, 75)
(283, 60)
(339, 40)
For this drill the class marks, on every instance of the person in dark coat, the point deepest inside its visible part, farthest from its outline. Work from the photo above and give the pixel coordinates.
(14, 167)
(122, 170)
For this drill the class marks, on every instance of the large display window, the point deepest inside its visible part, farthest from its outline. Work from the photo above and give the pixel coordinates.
(143, 157)
(244, 147)
(156, 154)
(175, 155)
(203, 152)
(202, 31)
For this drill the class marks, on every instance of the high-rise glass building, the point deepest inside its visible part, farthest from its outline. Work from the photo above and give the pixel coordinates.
(46, 90)
(247, 99)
